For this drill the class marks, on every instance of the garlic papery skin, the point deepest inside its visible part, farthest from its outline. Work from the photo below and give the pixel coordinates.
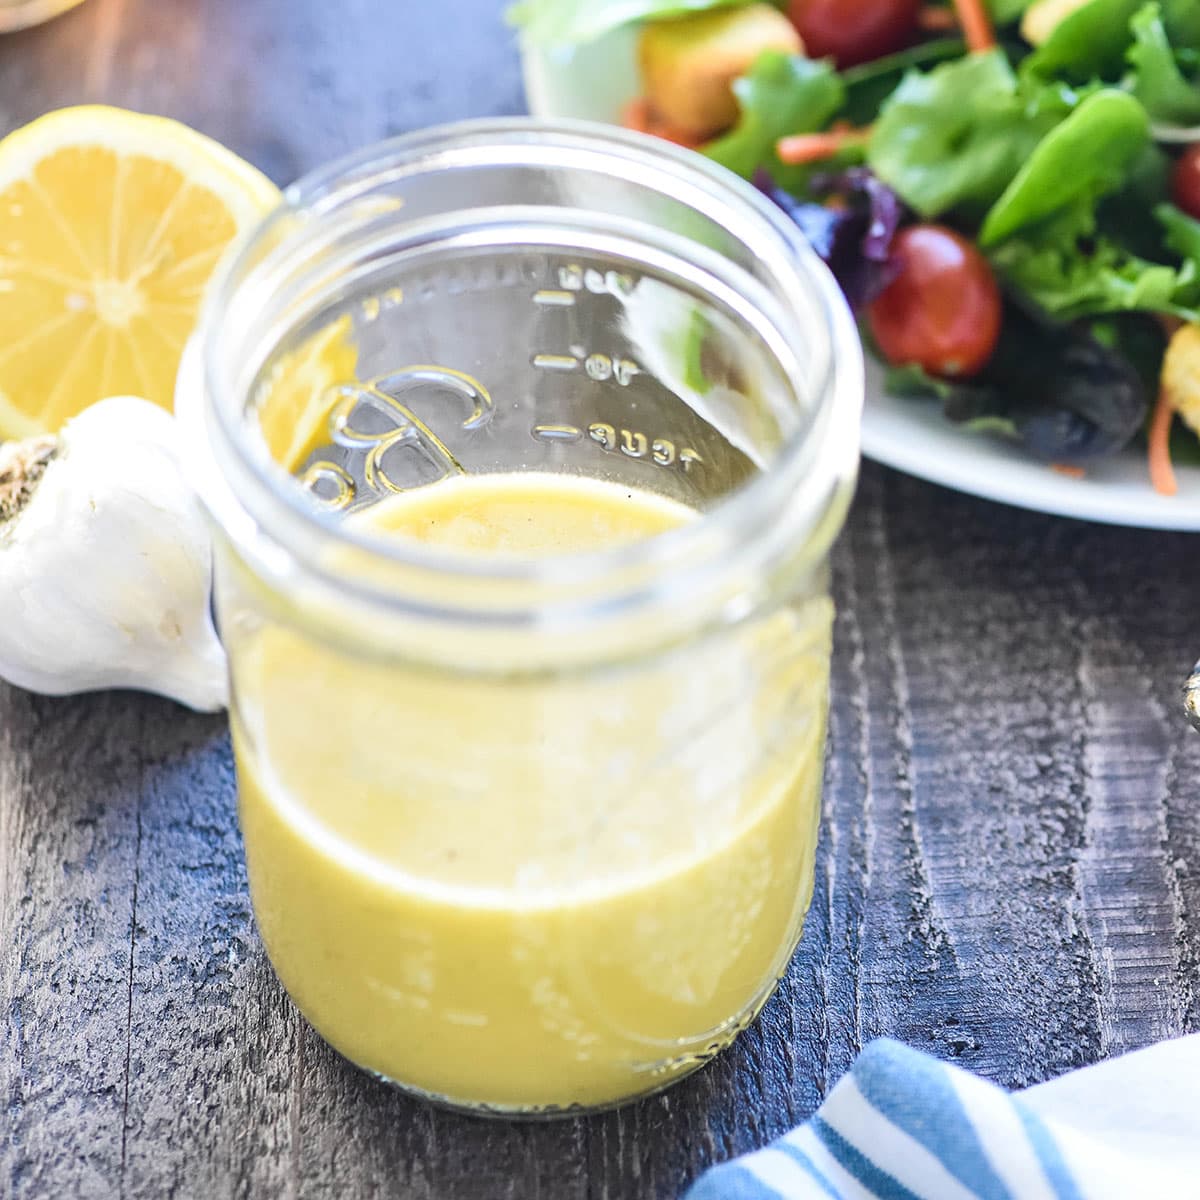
(106, 562)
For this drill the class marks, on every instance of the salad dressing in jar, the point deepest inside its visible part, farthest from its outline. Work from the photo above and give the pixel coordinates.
(526, 445)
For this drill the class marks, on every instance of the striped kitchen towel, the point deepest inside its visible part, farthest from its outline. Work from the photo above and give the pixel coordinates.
(903, 1126)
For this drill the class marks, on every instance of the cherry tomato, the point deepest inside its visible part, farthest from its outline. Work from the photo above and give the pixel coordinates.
(854, 31)
(1185, 181)
(943, 309)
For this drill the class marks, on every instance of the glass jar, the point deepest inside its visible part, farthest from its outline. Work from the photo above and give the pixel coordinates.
(526, 835)
(20, 14)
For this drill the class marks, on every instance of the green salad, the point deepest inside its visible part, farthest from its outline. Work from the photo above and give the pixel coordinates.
(1008, 191)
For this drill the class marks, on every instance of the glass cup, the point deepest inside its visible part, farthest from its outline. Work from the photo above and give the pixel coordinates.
(526, 835)
(20, 14)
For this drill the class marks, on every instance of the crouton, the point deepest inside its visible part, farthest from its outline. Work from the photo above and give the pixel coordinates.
(1181, 374)
(689, 63)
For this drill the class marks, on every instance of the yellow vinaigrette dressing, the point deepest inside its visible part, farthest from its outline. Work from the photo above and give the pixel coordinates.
(532, 893)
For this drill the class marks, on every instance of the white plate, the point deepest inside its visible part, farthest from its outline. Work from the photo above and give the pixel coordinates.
(595, 81)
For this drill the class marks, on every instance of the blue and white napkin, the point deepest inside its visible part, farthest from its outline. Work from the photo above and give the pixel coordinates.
(903, 1126)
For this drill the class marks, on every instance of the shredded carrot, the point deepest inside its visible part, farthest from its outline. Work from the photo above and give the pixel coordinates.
(803, 148)
(1162, 473)
(1070, 471)
(932, 18)
(976, 25)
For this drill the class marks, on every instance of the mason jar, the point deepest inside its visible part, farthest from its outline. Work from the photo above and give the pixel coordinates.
(526, 834)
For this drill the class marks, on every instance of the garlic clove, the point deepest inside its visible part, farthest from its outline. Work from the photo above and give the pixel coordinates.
(106, 562)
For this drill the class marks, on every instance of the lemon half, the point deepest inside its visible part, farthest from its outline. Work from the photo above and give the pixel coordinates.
(111, 224)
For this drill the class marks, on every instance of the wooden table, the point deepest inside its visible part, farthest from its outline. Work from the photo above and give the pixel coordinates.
(1009, 874)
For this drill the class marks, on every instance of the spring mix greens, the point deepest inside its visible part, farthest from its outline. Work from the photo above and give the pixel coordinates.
(1048, 143)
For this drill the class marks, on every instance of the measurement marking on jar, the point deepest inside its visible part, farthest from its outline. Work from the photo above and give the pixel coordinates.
(373, 306)
(558, 433)
(571, 278)
(554, 299)
(556, 362)
(575, 278)
(601, 368)
(634, 444)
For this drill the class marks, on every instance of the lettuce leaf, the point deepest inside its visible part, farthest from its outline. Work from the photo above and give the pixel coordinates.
(1088, 43)
(853, 238)
(1182, 19)
(1127, 215)
(1069, 270)
(869, 84)
(955, 137)
(1182, 232)
(570, 22)
(1157, 80)
(782, 94)
(1004, 11)
(1086, 156)
(1065, 393)
(1092, 42)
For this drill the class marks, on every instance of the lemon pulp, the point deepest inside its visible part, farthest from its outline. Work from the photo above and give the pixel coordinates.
(111, 224)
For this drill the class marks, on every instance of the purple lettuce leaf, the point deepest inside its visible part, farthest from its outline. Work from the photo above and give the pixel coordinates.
(853, 238)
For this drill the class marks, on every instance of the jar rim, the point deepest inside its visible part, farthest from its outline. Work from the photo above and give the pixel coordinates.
(261, 512)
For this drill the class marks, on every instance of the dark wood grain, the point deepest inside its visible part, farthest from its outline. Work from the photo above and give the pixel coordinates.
(1009, 871)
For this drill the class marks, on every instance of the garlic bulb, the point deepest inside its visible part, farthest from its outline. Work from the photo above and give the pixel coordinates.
(105, 561)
